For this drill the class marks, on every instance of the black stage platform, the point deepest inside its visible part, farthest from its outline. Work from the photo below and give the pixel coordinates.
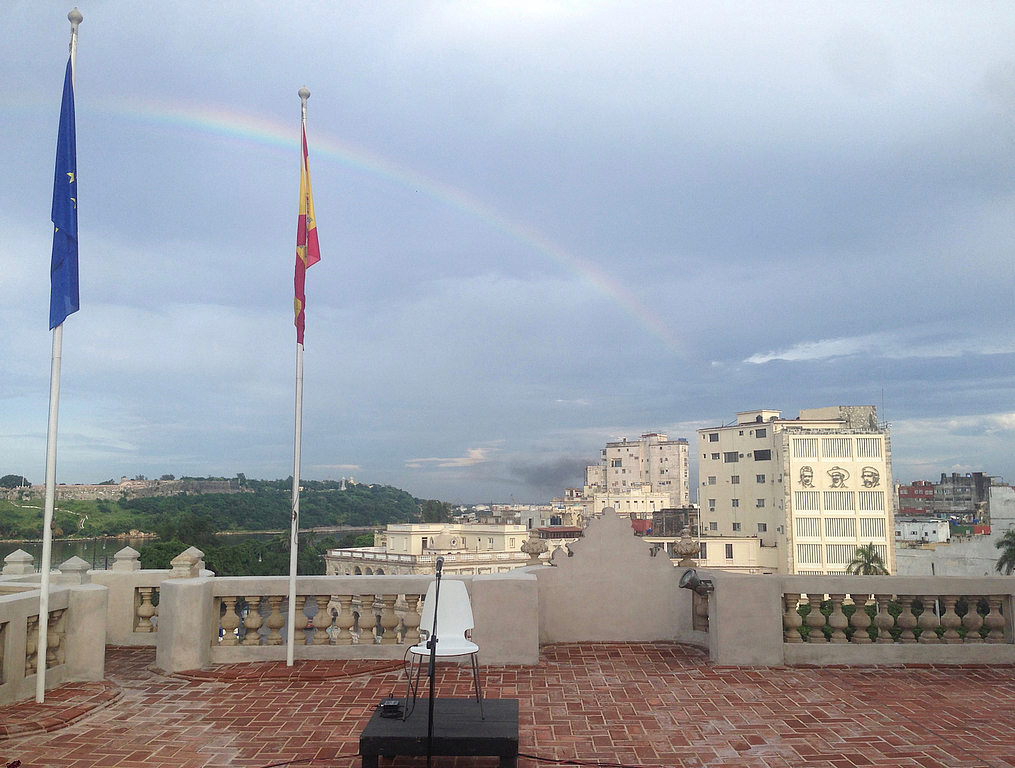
(457, 730)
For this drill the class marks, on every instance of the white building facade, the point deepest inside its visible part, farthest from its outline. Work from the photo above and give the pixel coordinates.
(652, 466)
(413, 548)
(815, 488)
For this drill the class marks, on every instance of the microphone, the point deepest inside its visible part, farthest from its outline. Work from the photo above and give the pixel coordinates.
(440, 564)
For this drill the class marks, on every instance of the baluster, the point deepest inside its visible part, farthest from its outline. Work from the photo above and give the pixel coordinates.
(322, 621)
(928, 621)
(230, 622)
(145, 610)
(299, 632)
(994, 620)
(791, 619)
(884, 620)
(972, 621)
(389, 621)
(699, 604)
(54, 640)
(252, 621)
(345, 620)
(906, 619)
(275, 621)
(837, 620)
(32, 646)
(815, 620)
(367, 619)
(860, 620)
(951, 621)
(411, 620)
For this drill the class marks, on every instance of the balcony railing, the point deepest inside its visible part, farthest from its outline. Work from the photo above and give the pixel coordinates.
(611, 590)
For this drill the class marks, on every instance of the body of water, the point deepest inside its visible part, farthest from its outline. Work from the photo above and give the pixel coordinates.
(100, 552)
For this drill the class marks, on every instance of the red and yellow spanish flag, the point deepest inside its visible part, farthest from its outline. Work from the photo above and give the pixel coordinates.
(308, 252)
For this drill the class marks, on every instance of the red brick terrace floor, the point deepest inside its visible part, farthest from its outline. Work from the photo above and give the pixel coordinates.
(604, 704)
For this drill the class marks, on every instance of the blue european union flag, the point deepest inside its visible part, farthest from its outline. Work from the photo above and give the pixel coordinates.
(63, 298)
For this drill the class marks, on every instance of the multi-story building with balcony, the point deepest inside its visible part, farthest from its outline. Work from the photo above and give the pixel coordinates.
(652, 464)
(814, 488)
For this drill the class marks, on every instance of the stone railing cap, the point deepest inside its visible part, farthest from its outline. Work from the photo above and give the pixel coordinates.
(19, 562)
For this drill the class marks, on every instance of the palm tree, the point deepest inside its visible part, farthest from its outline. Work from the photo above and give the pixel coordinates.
(1006, 562)
(867, 562)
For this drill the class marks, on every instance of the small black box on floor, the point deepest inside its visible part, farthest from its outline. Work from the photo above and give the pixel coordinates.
(458, 729)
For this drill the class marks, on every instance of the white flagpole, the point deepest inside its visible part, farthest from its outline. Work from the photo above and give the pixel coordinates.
(75, 18)
(294, 539)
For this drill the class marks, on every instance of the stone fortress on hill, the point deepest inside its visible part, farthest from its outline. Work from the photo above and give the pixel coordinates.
(130, 489)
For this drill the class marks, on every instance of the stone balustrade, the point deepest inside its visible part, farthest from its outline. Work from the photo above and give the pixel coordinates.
(75, 639)
(609, 588)
(863, 618)
(349, 619)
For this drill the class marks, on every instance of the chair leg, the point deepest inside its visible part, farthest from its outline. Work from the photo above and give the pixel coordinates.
(409, 687)
(479, 689)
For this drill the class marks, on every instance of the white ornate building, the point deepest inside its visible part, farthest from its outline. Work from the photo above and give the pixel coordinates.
(413, 548)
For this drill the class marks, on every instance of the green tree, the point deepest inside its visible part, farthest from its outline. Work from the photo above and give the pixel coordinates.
(867, 562)
(1006, 562)
(434, 511)
(13, 481)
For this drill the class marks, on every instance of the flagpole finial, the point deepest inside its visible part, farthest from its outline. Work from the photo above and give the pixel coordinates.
(304, 94)
(75, 17)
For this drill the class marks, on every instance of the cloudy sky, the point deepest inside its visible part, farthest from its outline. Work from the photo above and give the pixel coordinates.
(544, 225)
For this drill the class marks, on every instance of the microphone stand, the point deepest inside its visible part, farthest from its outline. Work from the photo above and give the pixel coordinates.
(431, 643)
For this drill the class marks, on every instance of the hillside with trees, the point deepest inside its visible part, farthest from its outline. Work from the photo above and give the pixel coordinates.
(262, 505)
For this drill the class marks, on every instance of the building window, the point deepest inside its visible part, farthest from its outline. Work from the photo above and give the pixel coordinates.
(616, 462)
(713, 526)
(840, 527)
(808, 553)
(808, 526)
(838, 501)
(511, 543)
(759, 478)
(765, 455)
(736, 527)
(761, 433)
(736, 503)
(837, 447)
(729, 457)
(762, 527)
(729, 551)
(872, 501)
(490, 544)
(734, 479)
(806, 501)
(868, 448)
(703, 552)
(713, 437)
(805, 447)
(715, 457)
(711, 479)
(760, 504)
(872, 527)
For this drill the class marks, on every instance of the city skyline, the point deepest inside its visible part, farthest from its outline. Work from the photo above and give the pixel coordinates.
(544, 226)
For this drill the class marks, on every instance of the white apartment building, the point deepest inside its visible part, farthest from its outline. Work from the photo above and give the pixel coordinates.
(815, 487)
(923, 530)
(652, 465)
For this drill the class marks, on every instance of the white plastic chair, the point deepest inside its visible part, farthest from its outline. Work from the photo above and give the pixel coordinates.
(454, 622)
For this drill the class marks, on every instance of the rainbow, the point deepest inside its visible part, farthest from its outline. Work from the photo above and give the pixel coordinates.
(248, 128)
